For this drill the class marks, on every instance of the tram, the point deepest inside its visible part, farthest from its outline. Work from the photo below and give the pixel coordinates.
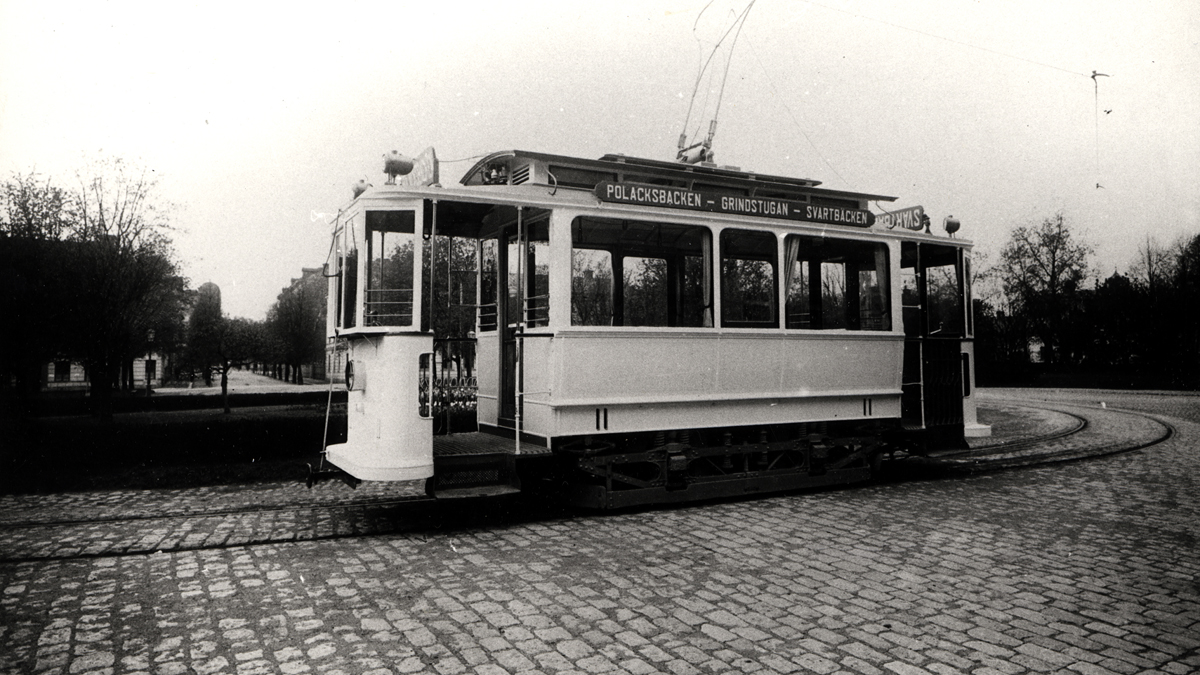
(641, 331)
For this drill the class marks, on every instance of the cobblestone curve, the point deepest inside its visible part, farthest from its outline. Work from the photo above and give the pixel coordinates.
(1106, 431)
(1088, 567)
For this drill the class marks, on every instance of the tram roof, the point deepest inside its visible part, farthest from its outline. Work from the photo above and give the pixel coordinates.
(586, 173)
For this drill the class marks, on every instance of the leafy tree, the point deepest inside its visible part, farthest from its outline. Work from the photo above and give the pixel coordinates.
(644, 291)
(218, 343)
(239, 344)
(35, 209)
(205, 327)
(1117, 322)
(297, 322)
(132, 282)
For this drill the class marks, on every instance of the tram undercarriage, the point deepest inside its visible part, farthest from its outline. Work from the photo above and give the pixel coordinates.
(688, 465)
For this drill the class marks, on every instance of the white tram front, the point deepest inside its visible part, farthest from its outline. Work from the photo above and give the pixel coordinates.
(641, 331)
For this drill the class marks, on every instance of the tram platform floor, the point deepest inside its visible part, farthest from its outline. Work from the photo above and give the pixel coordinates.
(479, 443)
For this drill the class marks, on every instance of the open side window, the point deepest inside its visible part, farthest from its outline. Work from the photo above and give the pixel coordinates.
(637, 273)
(837, 283)
(388, 296)
(933, 290)
(749, 295)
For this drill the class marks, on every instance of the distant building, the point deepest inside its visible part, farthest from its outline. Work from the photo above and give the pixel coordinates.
(65, 375)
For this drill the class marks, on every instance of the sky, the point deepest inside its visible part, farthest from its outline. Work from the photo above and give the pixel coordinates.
(257, 118)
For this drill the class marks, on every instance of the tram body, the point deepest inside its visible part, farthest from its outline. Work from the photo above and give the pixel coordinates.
(643, 331)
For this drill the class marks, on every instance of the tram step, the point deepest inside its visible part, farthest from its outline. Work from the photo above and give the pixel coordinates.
(473, 476)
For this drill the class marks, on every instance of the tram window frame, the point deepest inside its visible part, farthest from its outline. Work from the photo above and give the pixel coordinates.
(381, 270)
(944, 291)
(968, 301)
(346, 315)
(679, 282)
(746, 252)
(850, 272)
(489, 257)
(535, 275)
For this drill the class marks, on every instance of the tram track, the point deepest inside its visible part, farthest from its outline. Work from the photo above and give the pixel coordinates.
(217, 514)
(1113, 431)
(1094, 433)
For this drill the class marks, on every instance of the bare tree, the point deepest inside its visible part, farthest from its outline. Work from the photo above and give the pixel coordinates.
(92, 269)
(36, 283)
(1041, 267)
(1154, 265)
(125, 256)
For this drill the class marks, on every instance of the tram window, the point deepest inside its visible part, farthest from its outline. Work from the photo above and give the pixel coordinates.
(644, 286)
(748, 295)
(534, 272)
(662, 267)
(487, 284)
(942, 305)
(449, 281)
(910, 297)
(836, 284)
(945, 299)
(347, 290)
(967, 282)
(388, 297)
(591, 288)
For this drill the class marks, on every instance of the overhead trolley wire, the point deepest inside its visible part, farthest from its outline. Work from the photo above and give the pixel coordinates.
(1093, 75)
(942, 37)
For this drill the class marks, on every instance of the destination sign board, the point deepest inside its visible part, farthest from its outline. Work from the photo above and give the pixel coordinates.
(912, 218)
(697, 200)
(425, 170)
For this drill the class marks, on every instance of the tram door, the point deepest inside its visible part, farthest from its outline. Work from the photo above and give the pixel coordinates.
(523, 305)
(934, 326)
(509, 326)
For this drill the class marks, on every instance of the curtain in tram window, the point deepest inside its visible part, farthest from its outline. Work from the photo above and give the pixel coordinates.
(885, 286)
(791, 253)
(708, 280)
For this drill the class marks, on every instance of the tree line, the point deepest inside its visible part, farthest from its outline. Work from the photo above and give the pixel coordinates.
(292, 335)
(89, 274)
(1043, 317)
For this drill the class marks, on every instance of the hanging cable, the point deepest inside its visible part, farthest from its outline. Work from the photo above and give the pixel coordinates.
(1096, 113)
(941, 37)
(792, 115)
(464, 159)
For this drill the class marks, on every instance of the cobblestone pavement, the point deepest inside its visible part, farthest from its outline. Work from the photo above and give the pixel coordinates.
(1087, 567)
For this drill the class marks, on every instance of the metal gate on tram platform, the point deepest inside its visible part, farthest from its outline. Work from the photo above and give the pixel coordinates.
(452, 388)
